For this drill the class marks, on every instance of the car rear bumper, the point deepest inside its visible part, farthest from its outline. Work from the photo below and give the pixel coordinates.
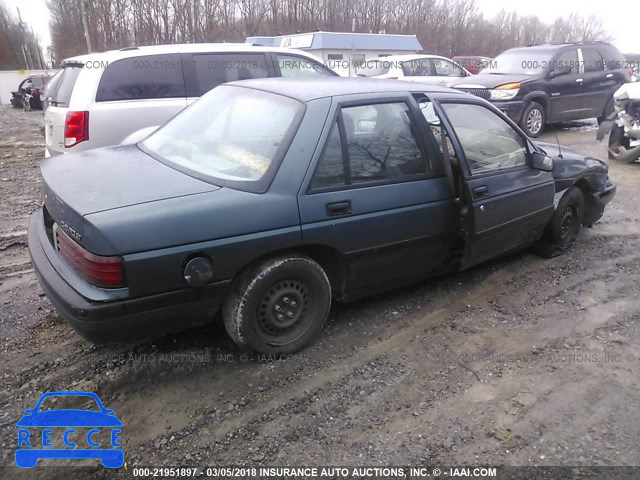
(512, 109)
(120, 320)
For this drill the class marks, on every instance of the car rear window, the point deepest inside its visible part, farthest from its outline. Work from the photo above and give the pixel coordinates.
(232, 136)
(144, 77)
(61, 93)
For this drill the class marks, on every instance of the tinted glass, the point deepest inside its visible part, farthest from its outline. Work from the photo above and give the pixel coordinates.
(137, 78)
(208, 70)
(294, 66)
(381, 143)
(240, 134)
(568, 58)
(528, 62)
(330, 169)
(52, 85)
(592, 60)
(489, 143)
(62, 94)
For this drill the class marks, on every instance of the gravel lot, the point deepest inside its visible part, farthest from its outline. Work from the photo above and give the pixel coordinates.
(521, 361)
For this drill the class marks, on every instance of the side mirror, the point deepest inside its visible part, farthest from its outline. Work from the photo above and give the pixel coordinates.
(560, 71)
(540, 161)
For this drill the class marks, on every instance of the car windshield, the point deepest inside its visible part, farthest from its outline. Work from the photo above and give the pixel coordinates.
(232, 134)
(69, 402)
(519, 62)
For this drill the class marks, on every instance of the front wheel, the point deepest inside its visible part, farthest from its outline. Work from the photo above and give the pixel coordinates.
(533, 119)
(608, 110)
(562, 232)
(278, 306)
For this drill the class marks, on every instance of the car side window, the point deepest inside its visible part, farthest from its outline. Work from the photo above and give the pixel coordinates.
(445, 68)
(380, 143)
(208, 70)
(418, 68)
(137, 78)
(592, 60)
(489, 143)
(292, 66)
(433, 120)
(330, 169)
(568, 58)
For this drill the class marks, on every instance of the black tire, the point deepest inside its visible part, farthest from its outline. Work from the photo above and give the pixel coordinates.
(608, 110)
(617, 139)
(533, 119)
(278, 306)
(562, 232)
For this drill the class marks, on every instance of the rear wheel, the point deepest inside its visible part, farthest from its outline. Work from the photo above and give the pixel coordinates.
(278, 306)
(562, 232)
(533, 119)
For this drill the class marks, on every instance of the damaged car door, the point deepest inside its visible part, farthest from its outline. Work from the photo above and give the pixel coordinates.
(507, 201)
(378, 195)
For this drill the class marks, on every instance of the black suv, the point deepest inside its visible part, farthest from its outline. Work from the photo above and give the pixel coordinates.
(543, 84)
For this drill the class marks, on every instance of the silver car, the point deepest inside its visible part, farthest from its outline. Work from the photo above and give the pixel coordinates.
(108, 98)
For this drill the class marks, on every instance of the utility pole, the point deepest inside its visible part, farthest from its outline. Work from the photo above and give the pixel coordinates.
(86, 25)
(40, 61)
(23, 46)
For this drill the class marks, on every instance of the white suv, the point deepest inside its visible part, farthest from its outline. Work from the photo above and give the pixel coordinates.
(104, 98)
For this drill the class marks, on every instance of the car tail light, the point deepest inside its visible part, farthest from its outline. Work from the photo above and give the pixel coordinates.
(76, 128)
(98, 270)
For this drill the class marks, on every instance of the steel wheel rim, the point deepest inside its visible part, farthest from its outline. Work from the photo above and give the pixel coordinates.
(568, 223)
(534, 121)
(283, 310)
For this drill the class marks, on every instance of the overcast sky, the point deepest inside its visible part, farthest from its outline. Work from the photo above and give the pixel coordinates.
(620, 17)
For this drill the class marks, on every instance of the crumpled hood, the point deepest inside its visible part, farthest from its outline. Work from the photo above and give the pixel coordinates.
(569, 164)
(490, 80)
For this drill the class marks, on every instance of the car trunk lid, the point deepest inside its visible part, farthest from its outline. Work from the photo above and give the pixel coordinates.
(108, 178)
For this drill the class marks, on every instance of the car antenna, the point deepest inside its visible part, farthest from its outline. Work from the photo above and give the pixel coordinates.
(553, 127)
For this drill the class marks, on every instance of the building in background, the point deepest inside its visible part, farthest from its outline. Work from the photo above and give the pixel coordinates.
(343, 51)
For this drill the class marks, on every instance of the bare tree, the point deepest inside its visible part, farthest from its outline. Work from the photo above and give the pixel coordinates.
(442, 26)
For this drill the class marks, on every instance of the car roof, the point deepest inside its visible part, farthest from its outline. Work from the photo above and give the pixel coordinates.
(308, 89)
(552, 47)
(113, 55)
(406, 58)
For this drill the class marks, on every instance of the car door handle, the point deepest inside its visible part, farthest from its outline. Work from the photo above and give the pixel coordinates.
(338, 208)
(480, 192)
(609, 75)
(579, 80)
